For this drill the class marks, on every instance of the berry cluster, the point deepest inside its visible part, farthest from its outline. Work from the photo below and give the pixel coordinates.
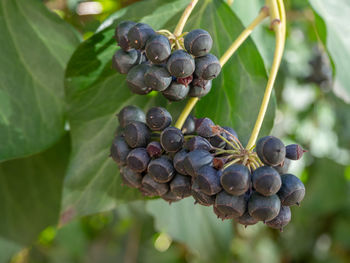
(209, 163)
(176, 66)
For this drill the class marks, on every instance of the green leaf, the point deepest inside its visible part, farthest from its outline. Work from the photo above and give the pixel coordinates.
(8, 249)
(30, 193)
(96, 93)
(335, 15)
(195, 225)
(35, 47)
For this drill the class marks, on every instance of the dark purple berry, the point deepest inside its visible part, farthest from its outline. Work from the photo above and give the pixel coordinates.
(123, 61)
(178, 161)
(247, 220)
(151, 188)
(180, 64)
(263, 208)
(271, 150)
(229, 205)
(171, 139)
(195, 160)
(207, 67)
(292, 190)
(198, 143)
(136, 79)
(266, 180)
(189, 126)
(198, 42)
(294, 151)
(175, 92)
(200, 197)
(283, 168)
(139, 34)
(121, 34)
(235, 179)
(198, 89)
(208, 180)
(204, 127)
(157, 78)
(138, 160)
(158, 118)
(171, 197)
(130, 177)
(130, 114)
(158, 49)
(137, 134)
(119, 150)
(282, 219)
(161, 170)
(154, 149)
(181, 185)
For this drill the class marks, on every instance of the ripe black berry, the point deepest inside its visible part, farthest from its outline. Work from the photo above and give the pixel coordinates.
(130, 177)
(271, 150)
(294, 151)
(119, 150)
(129, 114)
(158, 118)
(161, 170)
(198, 143)
(200, 91)
(158, 49)
(263, 208)
(136, 79)
(266, 180)
(204, 127)
(247, 220)
(207, 67)
(139, 34)
(178, 161)
(121, 34)
(292, 190)
(151, 188)
(138, 160)
(137, 134)
(198, 42)
(208, 180)
(157, 78)
(200, 197)
(181, 185)
(171, 197)
(235, 179)
(154, 149)
(282, 219)
(123, 61)
(229, 205)
(175, 92)
(181, 64)
(195, 160)
(189, 126)
(171, 139)
(283, 168)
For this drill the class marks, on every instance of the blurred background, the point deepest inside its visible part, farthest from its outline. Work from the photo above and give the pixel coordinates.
(308, 113)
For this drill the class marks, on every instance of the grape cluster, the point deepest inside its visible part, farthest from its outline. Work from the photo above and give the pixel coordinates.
(202, 161)
(175, 66)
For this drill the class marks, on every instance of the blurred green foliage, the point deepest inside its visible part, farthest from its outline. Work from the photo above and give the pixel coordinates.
(308, 113)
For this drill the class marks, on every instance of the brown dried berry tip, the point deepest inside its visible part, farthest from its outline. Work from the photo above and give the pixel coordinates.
(185, 81)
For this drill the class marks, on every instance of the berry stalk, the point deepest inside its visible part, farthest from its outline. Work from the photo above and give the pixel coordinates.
(278, 24)
(186, 14)
(230, 51)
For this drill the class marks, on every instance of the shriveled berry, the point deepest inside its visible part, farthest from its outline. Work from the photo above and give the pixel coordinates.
(198, 143)
(180, 64)
(175, 92)
(120, 150)
(266, 180)
(189, 126)
(154, 149)
(130, 177)
(207, 67)
(198, 42)
(181, 185)
(171, 139)
(247, 220)
(292, 190)
(152, 188)
(195, 160)
(229, 205)
(235, 179)
(137, 134)
(178, 161)
(282, 219)
(264, 208)
(294, 151)
(283, 168)
(161, 170)
(158, 48)
(136, 79)
(171, 197)
(271, 150)
(200, 91)
(123, 61)
(208, 180)
(138, 160)
(158, 118)
(204, 127)
(157, 78)
(121, 34)
(129, 114)
(139, 34)
(200, 197)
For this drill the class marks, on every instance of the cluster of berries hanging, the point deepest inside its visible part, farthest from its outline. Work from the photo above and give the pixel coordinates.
(207, 162)
(175, 66)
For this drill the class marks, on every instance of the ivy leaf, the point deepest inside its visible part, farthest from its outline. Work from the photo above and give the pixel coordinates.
(35, 47)
(30, 195)
(335, 15)
(196, 225)
(96, 93)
